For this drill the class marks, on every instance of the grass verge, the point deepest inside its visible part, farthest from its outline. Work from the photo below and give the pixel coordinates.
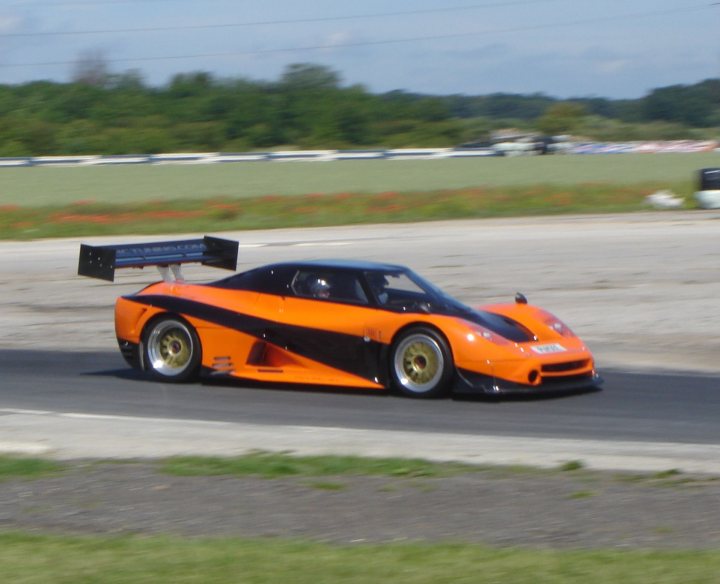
(277, 465)
(89, 218)
(274, 465)
(50, 559)
(12, 467)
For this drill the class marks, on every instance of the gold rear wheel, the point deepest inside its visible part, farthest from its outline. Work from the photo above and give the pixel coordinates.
(172, 349)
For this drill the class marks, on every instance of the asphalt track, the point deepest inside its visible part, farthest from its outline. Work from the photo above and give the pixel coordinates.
(645, 407)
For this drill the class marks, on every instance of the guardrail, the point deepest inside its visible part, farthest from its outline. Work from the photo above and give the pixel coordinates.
(226, 157)
(332, 155)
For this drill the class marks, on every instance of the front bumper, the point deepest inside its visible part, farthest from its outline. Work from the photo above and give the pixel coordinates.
(470, 382)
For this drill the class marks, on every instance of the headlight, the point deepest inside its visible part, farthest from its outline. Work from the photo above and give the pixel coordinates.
(557, 325)
(479, 332)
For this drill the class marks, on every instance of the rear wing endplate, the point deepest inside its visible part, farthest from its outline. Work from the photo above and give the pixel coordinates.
(101, 261)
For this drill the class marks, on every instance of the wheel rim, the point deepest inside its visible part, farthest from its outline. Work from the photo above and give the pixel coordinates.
(419, 363)
(170, 348)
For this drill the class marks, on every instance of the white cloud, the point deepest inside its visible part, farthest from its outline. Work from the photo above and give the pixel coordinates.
(612, 66)
(339, 38)
(9, 24)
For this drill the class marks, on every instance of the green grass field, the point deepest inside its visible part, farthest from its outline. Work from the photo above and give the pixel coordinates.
(36, 559)
(123, 184)
(143, 200)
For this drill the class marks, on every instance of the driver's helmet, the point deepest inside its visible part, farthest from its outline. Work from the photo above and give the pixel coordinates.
(378, 282)
(320, 287)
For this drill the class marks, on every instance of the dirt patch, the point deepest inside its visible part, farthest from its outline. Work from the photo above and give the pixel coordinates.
(554, 509)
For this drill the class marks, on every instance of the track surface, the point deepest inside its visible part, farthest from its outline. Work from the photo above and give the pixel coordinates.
(632, 407)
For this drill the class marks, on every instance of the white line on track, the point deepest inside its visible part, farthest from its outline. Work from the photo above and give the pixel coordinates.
(27, 412)
(85, 416)
(297, 244)
(321, 244)
(67, 435)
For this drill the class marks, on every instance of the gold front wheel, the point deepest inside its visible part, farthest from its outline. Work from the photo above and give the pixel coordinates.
(421, 365)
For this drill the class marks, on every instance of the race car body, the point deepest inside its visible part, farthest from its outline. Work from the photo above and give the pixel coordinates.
(339, 323)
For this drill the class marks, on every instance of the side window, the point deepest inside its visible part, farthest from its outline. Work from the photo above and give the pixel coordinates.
(324, 285)
(271, 280)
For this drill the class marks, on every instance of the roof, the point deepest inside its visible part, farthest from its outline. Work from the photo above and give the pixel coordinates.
(344, 264)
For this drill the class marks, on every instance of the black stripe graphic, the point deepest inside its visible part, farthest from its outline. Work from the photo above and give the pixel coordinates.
(347, 353)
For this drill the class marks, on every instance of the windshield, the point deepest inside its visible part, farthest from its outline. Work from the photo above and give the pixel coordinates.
(438, 294)
(406, 290)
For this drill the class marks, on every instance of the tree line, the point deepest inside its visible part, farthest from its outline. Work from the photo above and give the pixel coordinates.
(310, 107)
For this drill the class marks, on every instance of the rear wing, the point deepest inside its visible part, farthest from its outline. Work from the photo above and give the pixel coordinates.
(101, 261)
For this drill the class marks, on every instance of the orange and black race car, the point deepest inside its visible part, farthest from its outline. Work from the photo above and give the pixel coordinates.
(334, 323)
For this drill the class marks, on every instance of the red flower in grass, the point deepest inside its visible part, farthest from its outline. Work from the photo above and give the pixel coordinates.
(387, 196)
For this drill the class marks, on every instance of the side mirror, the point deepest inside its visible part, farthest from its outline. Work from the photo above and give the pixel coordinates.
(520, 298)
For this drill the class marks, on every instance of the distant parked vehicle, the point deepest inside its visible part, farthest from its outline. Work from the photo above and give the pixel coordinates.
(708, 195)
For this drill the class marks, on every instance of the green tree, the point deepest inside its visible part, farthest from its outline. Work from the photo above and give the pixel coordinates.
(308, 77)
(91, 68)
(561, 118)
(307, 106)
(693, 106)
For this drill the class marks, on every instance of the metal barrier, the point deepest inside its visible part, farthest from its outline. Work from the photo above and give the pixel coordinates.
(333, 155)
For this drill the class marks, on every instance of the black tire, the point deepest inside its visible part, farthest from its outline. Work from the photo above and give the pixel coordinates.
(421, 363)
(171, 349)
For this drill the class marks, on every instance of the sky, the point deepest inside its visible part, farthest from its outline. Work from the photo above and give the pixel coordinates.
(562, 48)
